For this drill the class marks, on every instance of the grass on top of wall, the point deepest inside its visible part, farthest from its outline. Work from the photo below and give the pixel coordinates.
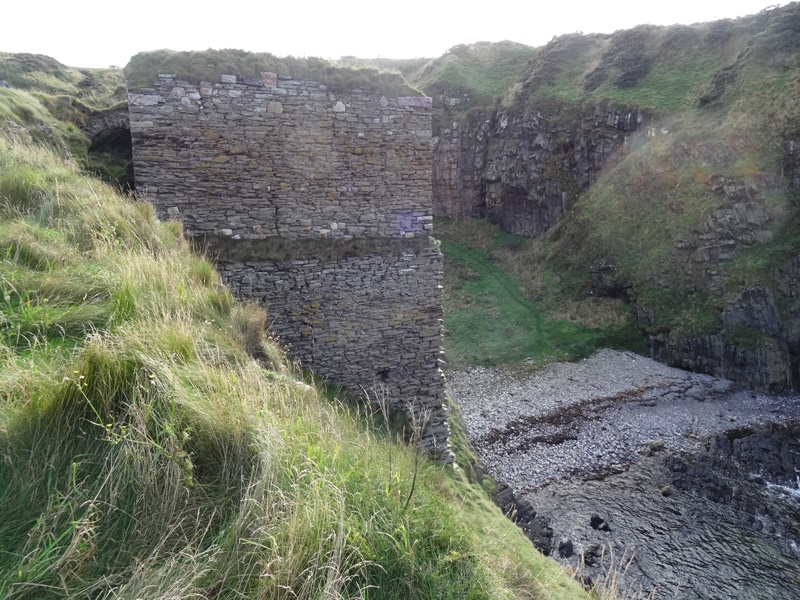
(155, 444)
(208, 65)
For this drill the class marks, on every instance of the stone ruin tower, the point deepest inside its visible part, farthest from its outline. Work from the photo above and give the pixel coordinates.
(318, 205)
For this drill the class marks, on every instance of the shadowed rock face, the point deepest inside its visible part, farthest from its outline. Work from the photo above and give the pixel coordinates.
(772, 361)
(522, 172)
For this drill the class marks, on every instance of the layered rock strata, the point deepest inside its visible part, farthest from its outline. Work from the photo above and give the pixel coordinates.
(521, 172)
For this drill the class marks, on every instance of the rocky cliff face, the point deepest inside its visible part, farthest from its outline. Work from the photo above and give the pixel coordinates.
(758, 341)
(524, 173)
(521, 172)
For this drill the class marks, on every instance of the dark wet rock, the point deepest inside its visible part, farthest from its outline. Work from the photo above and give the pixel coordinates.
(597, 522)
(521, 512)
(565, 548)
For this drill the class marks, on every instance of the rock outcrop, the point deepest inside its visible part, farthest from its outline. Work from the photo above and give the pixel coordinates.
(521, 171)
(524, 171)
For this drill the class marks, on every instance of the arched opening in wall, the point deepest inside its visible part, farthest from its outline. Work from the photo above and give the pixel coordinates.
(111, 157)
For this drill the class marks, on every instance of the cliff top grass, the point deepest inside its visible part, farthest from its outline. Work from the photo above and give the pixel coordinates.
(659, 70)
(155, 443)
(209, 65)
(92, 89)
(478, 75)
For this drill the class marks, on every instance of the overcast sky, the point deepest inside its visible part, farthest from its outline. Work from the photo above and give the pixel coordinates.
(99, 33)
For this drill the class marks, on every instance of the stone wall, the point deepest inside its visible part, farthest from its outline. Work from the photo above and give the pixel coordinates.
(363, 317)
(284, 157)
(318, 205)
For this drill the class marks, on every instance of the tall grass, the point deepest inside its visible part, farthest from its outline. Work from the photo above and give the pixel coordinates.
(155, 444)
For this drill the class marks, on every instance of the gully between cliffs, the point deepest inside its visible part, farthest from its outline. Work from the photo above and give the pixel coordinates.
(684, 485)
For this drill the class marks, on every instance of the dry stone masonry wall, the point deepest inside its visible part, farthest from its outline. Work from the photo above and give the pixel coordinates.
(283, 157)
(317, 204)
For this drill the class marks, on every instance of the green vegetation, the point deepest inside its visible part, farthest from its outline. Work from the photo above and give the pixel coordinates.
(52, 101)
(707, 169)
(476, 74)
(499, 309)
(154, 444)
(80, 89)
(208, 65)
(659, 70)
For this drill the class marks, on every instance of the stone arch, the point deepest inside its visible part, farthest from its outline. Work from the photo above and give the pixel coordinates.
(112, 118)
(110, 149)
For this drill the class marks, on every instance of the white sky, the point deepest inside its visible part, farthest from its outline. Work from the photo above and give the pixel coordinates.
(99, 33)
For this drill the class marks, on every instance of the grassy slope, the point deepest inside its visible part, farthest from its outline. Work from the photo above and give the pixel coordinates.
(52, 100)
(660, 194)
(726, 93)
(93, 89)
(145, 453)
(658, 70)
(500, 308)
(477, 74)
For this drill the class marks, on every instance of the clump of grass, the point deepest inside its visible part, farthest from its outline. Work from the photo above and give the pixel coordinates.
(160, 447)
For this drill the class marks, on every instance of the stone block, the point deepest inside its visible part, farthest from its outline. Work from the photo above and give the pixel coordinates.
(145, 99)
(415, 101)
